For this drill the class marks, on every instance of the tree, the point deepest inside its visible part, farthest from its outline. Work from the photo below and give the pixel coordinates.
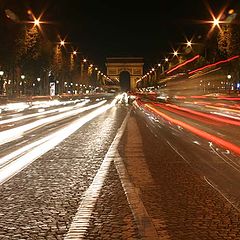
(33, 55)
(229, 40)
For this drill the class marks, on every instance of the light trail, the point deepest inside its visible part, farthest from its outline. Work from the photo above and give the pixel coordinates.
(226, 115)
(213, 64)
(15, 119)
(21, 106)
(183, 64)
(212, 138)
(14, 106)
(224, 109)
(44, 145)
(14, 133)
(205, 115)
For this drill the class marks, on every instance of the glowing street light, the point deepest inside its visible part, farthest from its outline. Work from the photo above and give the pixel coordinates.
(166, 59)
(22, 77)
(74, 52)
(189, 43)
(175, 53)
(84, 60)
(62, 43)
(216, 22)
(1, 82)
(37, 22)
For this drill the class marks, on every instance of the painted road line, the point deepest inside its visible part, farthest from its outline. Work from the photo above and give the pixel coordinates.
(81, 220)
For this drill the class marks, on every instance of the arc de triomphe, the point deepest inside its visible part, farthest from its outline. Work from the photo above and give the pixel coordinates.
(132, 65)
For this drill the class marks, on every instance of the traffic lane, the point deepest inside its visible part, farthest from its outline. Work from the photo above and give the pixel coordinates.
(176, 195)
(220, 126)
(10, 135)
(23, 107)
(219, 165)
(39, 132)
(41, 200)
(26, 117)
(224, 135)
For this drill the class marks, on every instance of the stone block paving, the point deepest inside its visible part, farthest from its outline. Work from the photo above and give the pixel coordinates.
(180, 202)
(112, 217)
(40, 201)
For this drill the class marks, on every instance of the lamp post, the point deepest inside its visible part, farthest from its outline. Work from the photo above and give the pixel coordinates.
(1, 82)
(39, 85)
(22, 83)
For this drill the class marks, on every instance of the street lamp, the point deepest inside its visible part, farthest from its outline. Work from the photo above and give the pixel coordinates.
(215, 22)
(1, 84)
(175, 53)
(39, 86)
(37, 22)
(189, 43)
(22, 77)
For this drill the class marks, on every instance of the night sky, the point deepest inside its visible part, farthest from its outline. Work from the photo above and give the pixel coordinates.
(103, 28)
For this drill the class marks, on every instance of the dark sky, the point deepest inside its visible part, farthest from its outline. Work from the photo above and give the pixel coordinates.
(103, 28)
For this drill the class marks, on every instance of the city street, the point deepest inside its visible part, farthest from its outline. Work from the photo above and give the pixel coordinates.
(101, 168)
(119, 121)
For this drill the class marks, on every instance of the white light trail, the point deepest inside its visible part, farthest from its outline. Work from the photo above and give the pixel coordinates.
(14, 133)
(226, 115)
(46, 144)
(21, 106)
(15, 119)
(15, 106)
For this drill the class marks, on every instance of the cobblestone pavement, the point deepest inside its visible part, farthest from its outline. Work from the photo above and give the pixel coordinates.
(112, 218)
(179, 201)
(40, 201)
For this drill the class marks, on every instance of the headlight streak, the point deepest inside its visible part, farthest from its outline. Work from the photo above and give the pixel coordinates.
(15, 119)
(20, 106)
(44, 145)
(223, 109)
(12, 134)
(226, 115)
(14, 106)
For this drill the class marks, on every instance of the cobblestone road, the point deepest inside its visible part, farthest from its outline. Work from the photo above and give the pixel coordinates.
(41, 201)
(179, 201)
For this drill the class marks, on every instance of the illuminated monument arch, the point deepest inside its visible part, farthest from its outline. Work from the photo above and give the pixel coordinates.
(126, 70)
